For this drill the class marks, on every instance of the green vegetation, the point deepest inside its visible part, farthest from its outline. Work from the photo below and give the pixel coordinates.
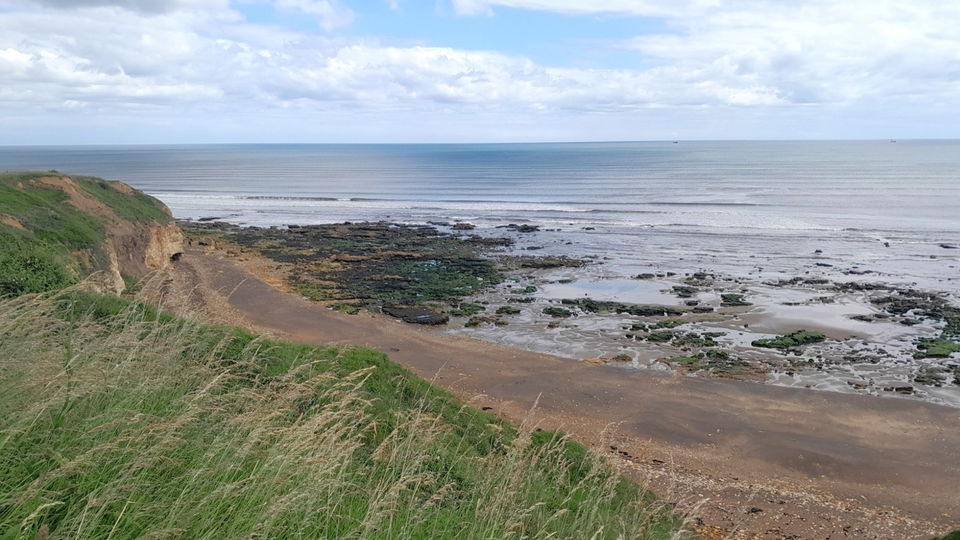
(117, 420)
(684, 291)
(374, 264)
(507, 310)
(919, 304)
(715, 361)
(936, 348)
(28, 266)
(601, 306)
(796, 339)
(557, 312)
(345, 307)
(733, 300)
(45, 242)
(685, 360)
(955, 535)
(133, 206)
(669, 323)
(467, 310)
(660, 337)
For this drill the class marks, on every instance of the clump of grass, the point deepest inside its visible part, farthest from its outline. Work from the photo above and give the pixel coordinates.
(28, 266)
(117, 420)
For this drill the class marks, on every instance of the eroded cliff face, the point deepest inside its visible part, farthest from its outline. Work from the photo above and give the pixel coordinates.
(132, 248)
(143, 248)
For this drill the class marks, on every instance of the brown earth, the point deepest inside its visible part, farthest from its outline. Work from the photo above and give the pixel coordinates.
(133, 249)
(745, 460)
(11, 221)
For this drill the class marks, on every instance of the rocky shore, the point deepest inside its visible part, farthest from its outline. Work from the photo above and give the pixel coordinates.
(809, 331)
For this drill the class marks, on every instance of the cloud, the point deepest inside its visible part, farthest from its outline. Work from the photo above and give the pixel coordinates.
(86, 58)
(141, 6)
(328, 13)
(203, 59)
(802, 52)
(641, 8)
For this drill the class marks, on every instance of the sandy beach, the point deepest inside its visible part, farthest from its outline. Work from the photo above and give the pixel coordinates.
(748, 459)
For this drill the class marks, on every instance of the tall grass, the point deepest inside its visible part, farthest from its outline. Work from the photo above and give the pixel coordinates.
(119, 422)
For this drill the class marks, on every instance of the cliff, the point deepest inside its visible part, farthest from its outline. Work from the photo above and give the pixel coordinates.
(57, 229)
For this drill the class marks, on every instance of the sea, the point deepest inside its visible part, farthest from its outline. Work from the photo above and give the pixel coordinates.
(876, 210)
(640, 204)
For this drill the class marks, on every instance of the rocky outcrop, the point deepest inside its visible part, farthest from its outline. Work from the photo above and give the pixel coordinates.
(143, 248)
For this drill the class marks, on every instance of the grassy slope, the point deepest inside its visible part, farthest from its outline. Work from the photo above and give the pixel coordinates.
(116, 420)
(43, 257)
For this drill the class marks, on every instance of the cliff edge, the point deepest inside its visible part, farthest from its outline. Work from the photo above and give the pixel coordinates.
(57, 229)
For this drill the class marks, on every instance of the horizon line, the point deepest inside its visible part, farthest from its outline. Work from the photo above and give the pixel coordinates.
(472, 143)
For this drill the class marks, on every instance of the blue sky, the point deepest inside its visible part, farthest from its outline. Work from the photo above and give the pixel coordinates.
(195, 71)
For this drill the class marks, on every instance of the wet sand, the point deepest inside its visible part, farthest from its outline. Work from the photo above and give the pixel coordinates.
(768, 461)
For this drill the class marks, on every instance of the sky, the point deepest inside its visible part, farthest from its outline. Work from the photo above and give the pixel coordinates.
(327, 71)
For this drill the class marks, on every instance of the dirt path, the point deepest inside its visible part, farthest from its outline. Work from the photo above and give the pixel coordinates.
(758, 460)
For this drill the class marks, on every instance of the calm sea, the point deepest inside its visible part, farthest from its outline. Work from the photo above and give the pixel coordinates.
(657, 205)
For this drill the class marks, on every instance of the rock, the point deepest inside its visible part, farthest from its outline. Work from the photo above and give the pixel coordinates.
(557, 312)
(948, 246)
(520, 228)
(463, 226)
(796, 339)
(733, 300)
(683, 291)
(416, 315)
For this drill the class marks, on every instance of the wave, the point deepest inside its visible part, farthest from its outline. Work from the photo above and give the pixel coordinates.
(374, 203)
(572, 207)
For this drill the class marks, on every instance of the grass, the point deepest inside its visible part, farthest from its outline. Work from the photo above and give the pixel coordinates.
(28, 266)
(58, 243)
(119, 421)
(136, 206)
(44, 212)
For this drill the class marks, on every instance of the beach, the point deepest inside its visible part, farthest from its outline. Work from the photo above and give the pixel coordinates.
(805, 232)
(842, 465)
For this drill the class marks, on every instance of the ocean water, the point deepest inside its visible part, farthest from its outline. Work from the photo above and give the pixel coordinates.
(722, 205)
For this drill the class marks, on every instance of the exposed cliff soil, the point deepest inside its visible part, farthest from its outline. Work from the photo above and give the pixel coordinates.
(106, 230)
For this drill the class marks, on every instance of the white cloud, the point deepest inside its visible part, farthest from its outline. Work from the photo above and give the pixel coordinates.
(200, 58)
(804, 51)
(328, 13)
(642, 8)
(142, 6)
